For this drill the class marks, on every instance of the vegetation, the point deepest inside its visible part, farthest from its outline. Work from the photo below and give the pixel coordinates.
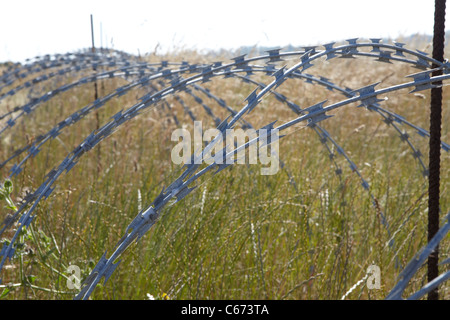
(304, 233)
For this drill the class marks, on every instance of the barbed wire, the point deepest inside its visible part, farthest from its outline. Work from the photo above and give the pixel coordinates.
(366, 96)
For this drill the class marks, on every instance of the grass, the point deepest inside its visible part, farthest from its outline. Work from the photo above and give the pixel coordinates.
(240, 235)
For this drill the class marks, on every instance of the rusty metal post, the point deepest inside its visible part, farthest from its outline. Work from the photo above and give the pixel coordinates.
(435, 145)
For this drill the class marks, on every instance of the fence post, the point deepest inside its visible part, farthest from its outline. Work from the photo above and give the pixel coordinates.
(97, 117)
(435, 144)
(93, 51)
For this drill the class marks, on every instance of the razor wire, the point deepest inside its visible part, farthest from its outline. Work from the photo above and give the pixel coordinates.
(180, 189)
(34, 147)
(416, 262)
(31, 106)
(315, 114)
(61, 72)
(147, 218)
(325, 137)
(344, 51)
(122, 90)
(78, 115)
(77, 66)
(245, 125)
(39, 64)
(16, 169)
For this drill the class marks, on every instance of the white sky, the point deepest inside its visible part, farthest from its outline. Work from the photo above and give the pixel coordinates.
(30, 28)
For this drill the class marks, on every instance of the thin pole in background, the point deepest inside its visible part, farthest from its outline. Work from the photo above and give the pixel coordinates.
(97, 117)
(93, 51)
(435, 145)
(101, 36)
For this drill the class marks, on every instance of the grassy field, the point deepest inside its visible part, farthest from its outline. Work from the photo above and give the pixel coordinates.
(239, 235)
